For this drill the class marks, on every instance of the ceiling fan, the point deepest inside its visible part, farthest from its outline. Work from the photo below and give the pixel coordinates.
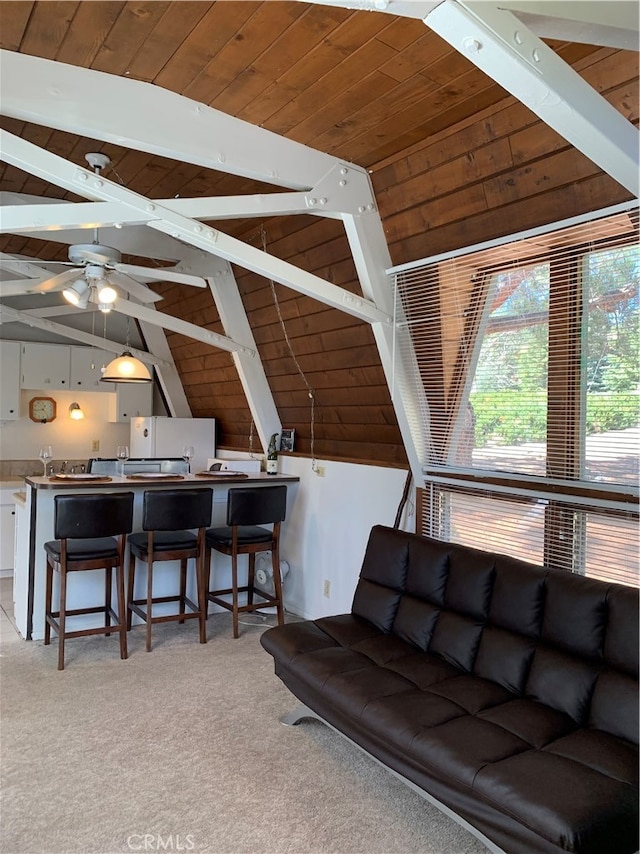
(97, 273)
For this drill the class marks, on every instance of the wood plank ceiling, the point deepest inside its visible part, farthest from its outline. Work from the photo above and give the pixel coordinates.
(453, 160)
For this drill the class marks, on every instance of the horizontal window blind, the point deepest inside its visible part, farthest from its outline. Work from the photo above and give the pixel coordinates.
(526, 353)
(595, 543)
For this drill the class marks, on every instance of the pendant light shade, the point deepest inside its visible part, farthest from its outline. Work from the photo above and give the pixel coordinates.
(126, 369)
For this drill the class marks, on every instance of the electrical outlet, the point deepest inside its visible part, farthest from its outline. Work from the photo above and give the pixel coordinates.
(95, 445)
(326, 590)
(320, 471)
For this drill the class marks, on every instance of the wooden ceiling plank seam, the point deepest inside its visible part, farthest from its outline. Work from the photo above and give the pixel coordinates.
(214, 30)
(15, 23)
(354, 67)
(48, 24)
(171, 31)
(128, 35)
(345, 40)
(251, 40)
(408, 104)
(90, 25)
(287, 49)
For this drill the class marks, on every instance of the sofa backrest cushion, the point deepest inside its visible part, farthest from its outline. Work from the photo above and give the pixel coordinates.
(568, 641)
(382, 578)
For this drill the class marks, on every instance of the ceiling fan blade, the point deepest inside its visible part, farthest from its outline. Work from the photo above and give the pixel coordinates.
(162, 274)
(30, 267)
(54, 283)
(141, 292)
(18, 287)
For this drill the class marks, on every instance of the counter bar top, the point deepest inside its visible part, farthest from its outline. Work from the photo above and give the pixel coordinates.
(167, 482)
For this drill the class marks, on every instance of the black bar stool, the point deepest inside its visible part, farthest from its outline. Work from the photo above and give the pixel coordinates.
(168, 517)
(90, 534)
(249, 508)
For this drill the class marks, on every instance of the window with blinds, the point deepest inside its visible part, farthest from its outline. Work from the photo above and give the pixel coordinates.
(527, 354)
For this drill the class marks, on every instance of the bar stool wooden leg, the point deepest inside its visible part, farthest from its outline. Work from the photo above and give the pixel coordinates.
(251, 577)
(107, 599)
(130, 586)
(277, 583)
(149, 600)
(122, 611)
(62, 617)
(234, 585)
(47, 602)
(202, 596)
(183, 586)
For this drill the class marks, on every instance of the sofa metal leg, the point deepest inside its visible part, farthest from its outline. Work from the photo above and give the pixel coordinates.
(301, 712)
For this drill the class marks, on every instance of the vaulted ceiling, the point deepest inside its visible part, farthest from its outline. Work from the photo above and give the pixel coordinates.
(365, 87)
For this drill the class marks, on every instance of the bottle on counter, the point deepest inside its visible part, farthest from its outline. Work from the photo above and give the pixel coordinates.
(272, 455)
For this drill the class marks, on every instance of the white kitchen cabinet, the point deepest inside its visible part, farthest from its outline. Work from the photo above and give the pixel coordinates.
(7, 530)
(132, 399)
(10, 380)
(85, 370)
(44, 366)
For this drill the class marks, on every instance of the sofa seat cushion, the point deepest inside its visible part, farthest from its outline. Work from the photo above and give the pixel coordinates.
(530, 720)
(601, 751)
(555, 796)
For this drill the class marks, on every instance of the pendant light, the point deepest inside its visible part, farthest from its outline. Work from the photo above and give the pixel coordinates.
(126, 368)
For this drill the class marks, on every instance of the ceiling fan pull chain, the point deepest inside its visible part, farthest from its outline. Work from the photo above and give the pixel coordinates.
(310, 390)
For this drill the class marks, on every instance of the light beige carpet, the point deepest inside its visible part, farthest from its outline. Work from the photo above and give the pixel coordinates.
(181, 749)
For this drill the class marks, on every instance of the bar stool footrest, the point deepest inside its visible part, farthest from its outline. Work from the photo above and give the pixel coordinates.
(134, 605)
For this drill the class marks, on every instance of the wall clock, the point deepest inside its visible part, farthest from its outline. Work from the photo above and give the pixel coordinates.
(42, 409)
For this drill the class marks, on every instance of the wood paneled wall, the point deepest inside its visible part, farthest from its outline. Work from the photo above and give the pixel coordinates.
(499, 173)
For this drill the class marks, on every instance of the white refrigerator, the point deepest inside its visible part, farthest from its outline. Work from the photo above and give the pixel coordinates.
(161, 436)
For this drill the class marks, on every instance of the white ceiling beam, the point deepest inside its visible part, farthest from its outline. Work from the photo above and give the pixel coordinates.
(334, 194)
(182, 327)
(12, 315)
(27, 219)
(55, 169)
(371, 257)
(508, 52)
(402, 8)
(255, 384)
(167, 375)
(613, 23)
(149, 118)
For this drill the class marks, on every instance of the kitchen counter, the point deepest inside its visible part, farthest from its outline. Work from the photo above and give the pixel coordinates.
(13, 482)
(86, 482)
(37, 526)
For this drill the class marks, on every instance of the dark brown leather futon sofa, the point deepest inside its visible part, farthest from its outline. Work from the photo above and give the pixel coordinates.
(507, 692)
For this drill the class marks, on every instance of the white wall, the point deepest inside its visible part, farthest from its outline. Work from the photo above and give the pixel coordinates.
(328, 523)
(21, 439)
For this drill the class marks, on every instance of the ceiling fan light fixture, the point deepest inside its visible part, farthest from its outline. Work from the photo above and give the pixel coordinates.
(106, 294)
(77, 294)
(126, 369)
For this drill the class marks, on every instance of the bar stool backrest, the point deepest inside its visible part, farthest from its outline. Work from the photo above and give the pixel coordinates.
(177, 509)
(93, 515)
(260, 505)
